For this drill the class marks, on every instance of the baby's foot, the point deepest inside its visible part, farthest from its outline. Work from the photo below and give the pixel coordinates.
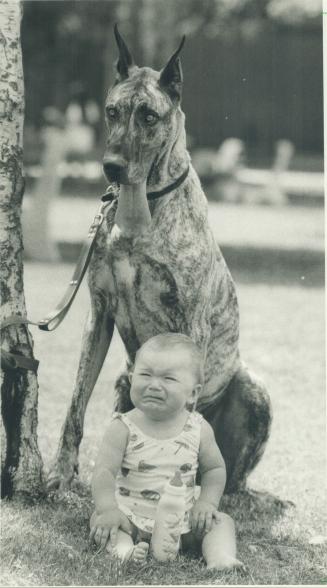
(140, 552)
(225, 562)
(170, 548)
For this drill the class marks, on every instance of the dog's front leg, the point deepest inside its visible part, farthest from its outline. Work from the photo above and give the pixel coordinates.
(96, 339)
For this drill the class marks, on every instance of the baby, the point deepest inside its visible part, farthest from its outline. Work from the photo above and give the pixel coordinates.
(144, 447)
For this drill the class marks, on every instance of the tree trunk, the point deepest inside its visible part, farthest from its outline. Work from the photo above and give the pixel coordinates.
(22, 471)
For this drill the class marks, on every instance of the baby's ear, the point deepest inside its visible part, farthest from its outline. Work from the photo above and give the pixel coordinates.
(195, 394)
(196, 391)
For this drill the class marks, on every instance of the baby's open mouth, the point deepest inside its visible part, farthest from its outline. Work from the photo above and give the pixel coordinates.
(153, 398)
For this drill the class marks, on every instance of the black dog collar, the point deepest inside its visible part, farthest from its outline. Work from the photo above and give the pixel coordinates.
(170, 188)
(113, 189)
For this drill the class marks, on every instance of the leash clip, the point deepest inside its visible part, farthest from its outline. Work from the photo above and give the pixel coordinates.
(97, 221)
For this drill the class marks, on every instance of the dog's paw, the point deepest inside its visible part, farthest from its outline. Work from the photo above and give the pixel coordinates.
(55, 483)
(255, 501)
(59, 480)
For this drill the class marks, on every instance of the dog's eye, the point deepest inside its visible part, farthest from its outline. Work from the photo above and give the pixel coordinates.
(151, 118)
(112, 113)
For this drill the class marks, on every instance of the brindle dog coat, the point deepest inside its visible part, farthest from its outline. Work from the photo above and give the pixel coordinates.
(157, 268)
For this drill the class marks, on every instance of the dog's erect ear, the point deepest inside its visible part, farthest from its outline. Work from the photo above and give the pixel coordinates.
(171, 76)
(125, 60)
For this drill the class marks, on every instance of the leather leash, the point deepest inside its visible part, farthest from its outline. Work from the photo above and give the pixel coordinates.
(11, 361)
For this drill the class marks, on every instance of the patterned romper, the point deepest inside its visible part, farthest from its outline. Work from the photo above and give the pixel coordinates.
(147, 465)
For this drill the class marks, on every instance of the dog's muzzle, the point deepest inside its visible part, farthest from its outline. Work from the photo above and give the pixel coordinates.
(115, 170)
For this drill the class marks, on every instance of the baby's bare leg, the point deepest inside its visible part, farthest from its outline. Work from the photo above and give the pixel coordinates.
(219, 545)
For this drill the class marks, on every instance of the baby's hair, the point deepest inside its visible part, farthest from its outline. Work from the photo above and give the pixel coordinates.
(177, 340)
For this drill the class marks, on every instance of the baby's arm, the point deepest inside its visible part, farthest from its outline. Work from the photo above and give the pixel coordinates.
(107, 517)
(213, 480)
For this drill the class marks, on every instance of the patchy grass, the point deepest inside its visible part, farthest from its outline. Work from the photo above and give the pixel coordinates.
(282, 339)
(47, 544)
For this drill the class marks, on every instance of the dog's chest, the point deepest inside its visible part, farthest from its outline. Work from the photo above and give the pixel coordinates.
(122, 271)
(142, 284)
(125, 258)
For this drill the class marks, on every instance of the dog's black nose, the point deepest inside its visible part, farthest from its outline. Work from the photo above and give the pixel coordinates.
(114, 170)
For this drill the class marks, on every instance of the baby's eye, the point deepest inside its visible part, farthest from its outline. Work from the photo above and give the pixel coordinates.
(170, 378)
(144, 374)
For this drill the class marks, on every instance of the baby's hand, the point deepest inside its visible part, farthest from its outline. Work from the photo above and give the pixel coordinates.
(106, 525)
(202, 515)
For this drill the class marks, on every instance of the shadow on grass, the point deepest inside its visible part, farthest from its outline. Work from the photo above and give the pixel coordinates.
(253, 265)
(276, 266)
(271, 542)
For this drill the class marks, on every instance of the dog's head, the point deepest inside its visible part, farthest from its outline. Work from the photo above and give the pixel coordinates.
(142, 115)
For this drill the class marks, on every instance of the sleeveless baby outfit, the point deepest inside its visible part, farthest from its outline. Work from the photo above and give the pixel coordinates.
(149, 463)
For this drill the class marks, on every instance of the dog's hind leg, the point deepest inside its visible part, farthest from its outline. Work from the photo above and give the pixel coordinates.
(241, 422)
(96, 339)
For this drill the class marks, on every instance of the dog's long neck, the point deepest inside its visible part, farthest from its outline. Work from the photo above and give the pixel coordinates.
(173, 160)
(133, 215)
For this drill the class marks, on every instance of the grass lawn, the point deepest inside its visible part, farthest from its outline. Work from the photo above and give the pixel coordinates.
(282, 339)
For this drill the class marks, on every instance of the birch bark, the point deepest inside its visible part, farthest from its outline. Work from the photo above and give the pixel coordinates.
(22, 470)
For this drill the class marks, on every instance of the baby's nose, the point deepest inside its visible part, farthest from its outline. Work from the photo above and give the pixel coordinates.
(155, 384)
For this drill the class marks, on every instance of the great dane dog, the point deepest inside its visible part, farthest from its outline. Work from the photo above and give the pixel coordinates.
(156, 267)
